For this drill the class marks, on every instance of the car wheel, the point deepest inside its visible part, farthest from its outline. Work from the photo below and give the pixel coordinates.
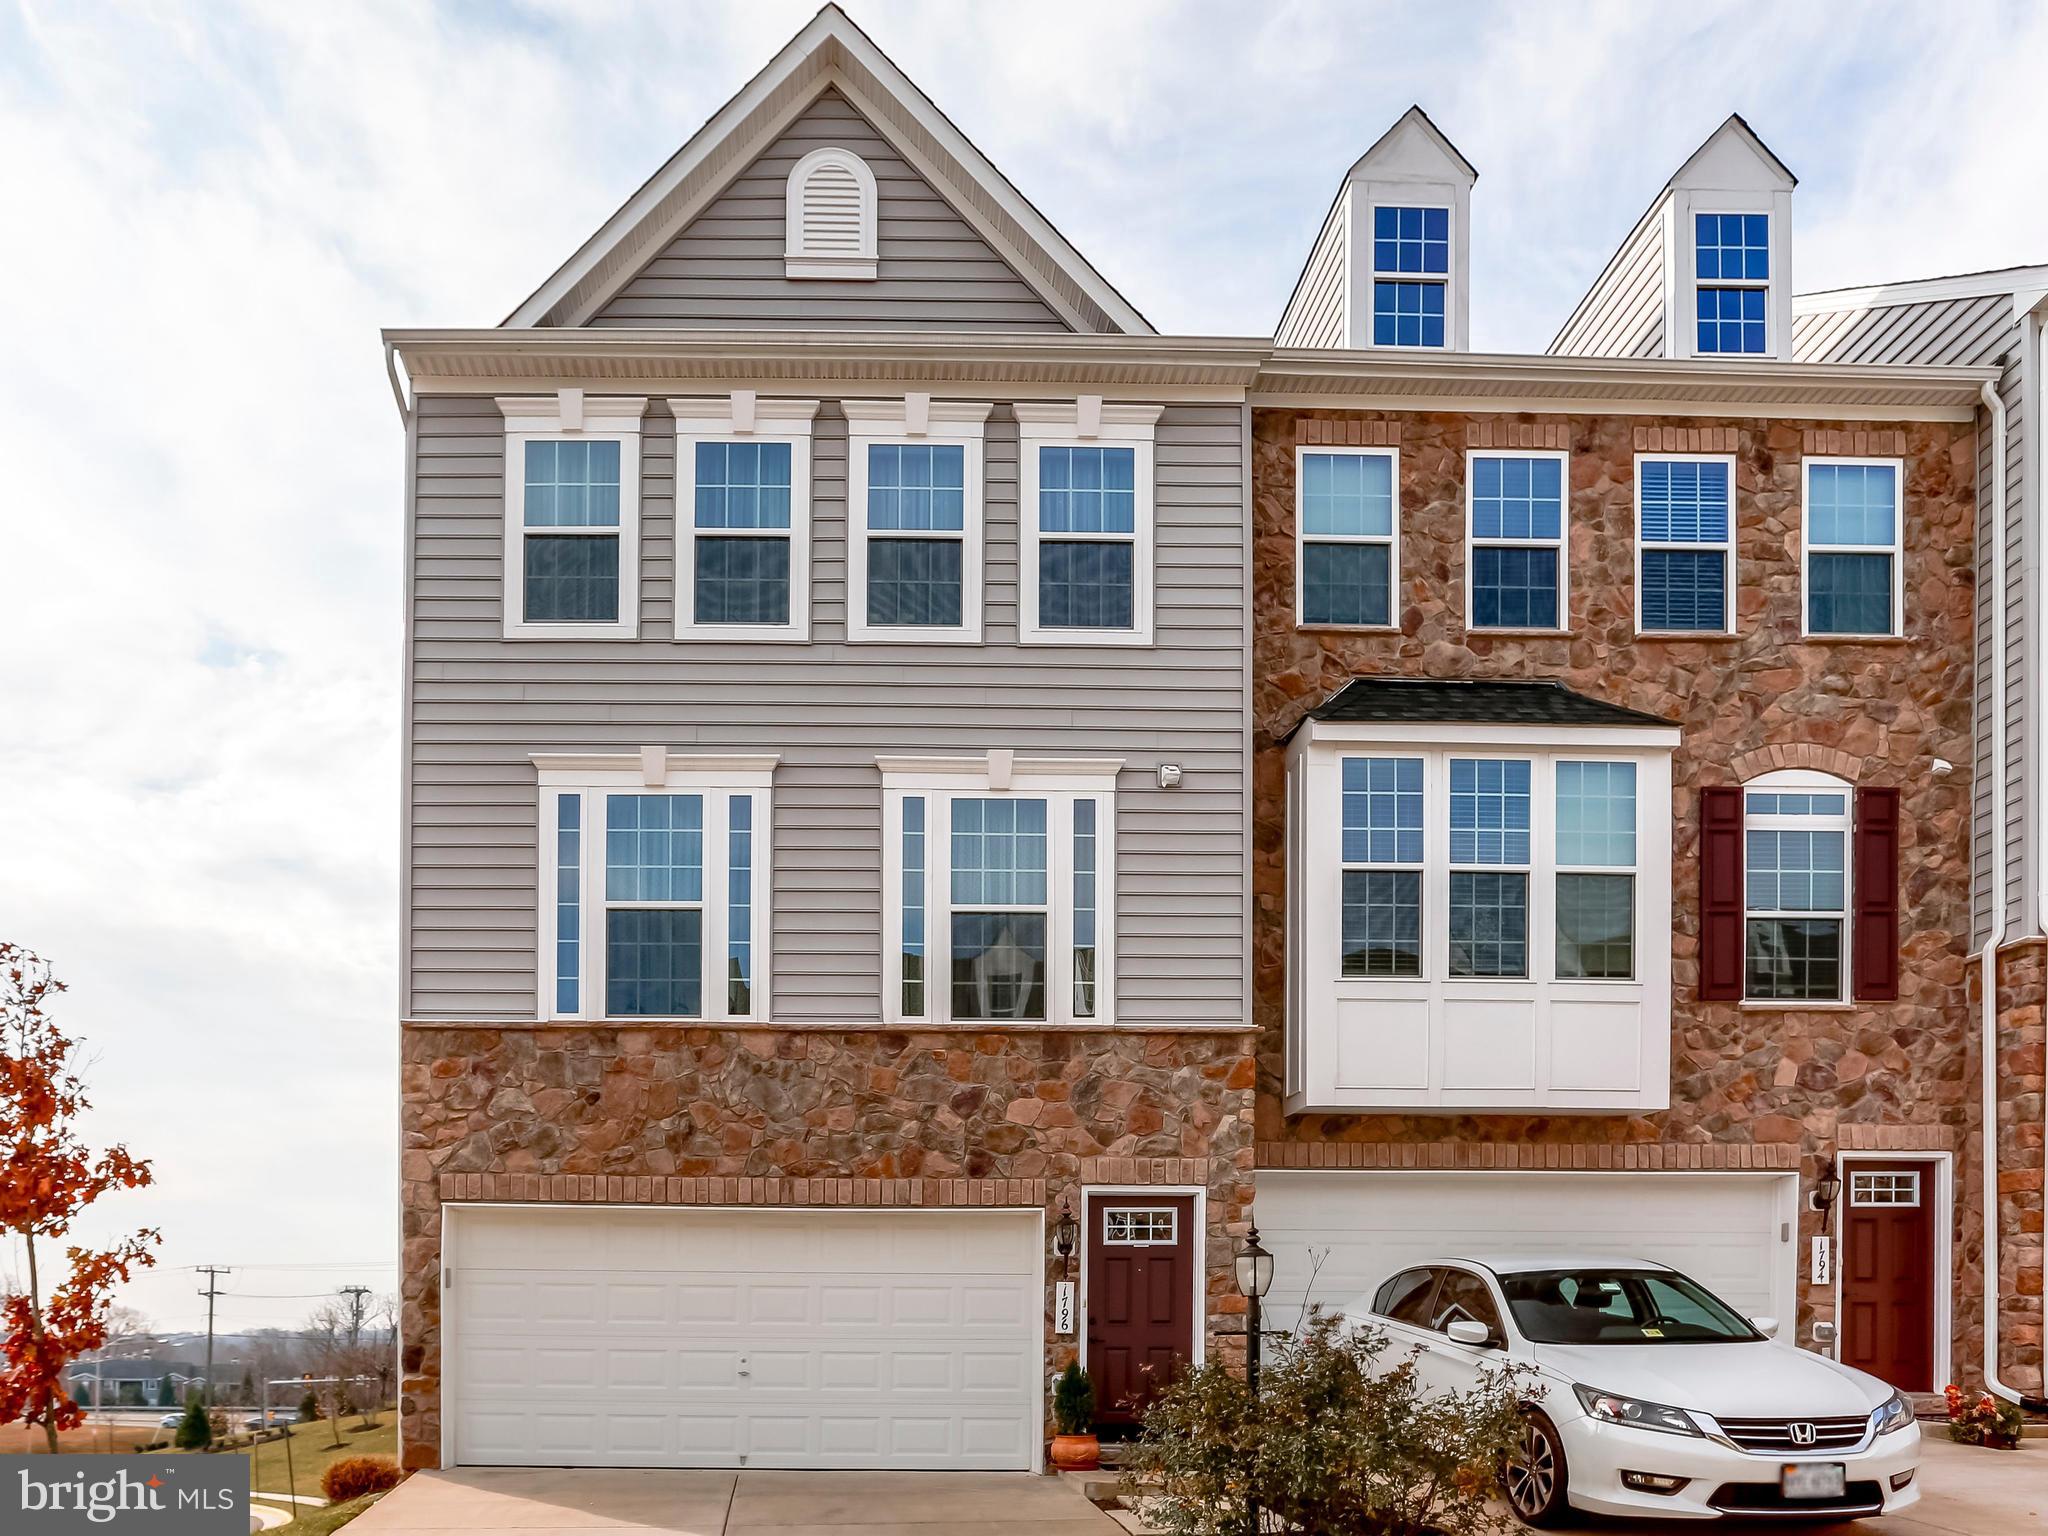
(1536, 1478)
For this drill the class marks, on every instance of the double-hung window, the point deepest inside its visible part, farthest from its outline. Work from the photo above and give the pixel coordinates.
(1086, 515)
(1595, 850)
(572, 516)
(1491, 852)
(743, 519)
(915, 520)
(1000, 900)
(654, 900)
(1685, 544)
(1383, 861)
(1732, 291)
(1347, 541)
(1515, 552)
(1853, 526)
(1411, 275)
(1795, 846)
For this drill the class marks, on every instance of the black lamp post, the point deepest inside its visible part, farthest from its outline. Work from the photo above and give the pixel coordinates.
(1254, 1279)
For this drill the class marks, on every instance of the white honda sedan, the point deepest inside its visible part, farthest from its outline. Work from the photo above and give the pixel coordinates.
(1658, 1399)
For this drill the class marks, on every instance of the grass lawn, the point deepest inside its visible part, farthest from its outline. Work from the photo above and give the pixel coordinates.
(15, 1439)
(318, 1522)
(312, 1448)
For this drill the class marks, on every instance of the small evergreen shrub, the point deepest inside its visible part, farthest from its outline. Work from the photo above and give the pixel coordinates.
(1073, 1401)
(195, 1430)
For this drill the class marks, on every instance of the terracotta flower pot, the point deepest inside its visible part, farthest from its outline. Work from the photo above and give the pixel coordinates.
(1076, 1453)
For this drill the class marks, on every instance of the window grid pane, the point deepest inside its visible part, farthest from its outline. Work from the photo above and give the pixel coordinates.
(654, 962)
(915, 582)
(1732, 247)
(568, 904)
(1085, 586)
(999, 849)
(1849, 594)
(1347, 495)
(1382, 810)
(1346, 583)
(1382, 923)
(1796, 870)
(742, 581)
(743, 485)
(913, 906)
(1489, 924)
(917, 486)
(571, 578)
(1685, 501)
(998, 963)
(1087, 490)
(1793, 959)
(1489, 811)
(1852, 504)
(739, 906)
(572, 484)
(1514, 588)
(1407, 314)
(1731, 319)
(654, 848)
(1411, 240)
(1596, 927)
(1596, 814)
(1084, 909)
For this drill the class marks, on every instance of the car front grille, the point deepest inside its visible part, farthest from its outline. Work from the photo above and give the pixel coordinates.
(1764, 1499)
(1774, 1437)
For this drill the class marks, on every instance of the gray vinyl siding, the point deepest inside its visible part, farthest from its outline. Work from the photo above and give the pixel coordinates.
(1623, 314)
(1315, 314)
(480, 704)
(726, 269)
(1979, 329)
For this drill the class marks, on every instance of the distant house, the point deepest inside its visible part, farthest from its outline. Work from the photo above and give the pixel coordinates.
(134, 1383)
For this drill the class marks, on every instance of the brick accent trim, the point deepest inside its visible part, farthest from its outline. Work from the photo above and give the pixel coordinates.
(614, 1189)
(1556, 435)
(1144, 1170)
(1860, 445)
(1595, 1157)
(1796, 754)
(1352, 432)
(1686, 440)
(1895, 1138)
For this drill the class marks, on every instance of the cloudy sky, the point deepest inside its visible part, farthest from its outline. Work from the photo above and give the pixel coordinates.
(211, 208)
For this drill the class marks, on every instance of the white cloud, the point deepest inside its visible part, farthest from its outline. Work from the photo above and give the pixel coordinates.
(212, 208)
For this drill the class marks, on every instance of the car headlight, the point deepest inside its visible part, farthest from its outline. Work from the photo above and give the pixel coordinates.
(1616, 1408)
(1894, 1413)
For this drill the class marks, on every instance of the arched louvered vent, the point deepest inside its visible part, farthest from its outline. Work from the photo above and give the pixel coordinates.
(831, 216)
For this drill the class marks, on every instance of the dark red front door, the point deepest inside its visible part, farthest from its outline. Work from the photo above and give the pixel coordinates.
(1888, 1272)
(1141, 1299)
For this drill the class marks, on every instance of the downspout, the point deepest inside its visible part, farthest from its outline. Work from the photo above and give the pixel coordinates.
(397, 384)
(1995, 934)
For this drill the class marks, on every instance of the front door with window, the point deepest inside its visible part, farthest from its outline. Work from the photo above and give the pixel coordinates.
(1141, 1300)
(1888, 1272)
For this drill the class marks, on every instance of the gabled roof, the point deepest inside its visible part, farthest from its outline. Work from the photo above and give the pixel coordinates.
(830, 52)
(1736, 124)
(1472, 701)
(1417, 118)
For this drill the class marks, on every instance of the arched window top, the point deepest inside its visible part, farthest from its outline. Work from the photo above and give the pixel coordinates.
(1798, 780)
(831, 216)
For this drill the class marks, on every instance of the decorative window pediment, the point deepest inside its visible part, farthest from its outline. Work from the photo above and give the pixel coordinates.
(831, 217)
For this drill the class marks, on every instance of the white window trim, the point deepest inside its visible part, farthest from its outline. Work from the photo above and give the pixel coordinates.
(1862, 1186)
(571, 416)
(1058, 781)
(1302, 538)
(1726, 546)
(1150, 1213)
(729, 420)
(1085, 424)
(653, 770)
(1802, 781)
(1808, 548)
(1562, 543)
(801, 263)
(1376, 274)
(903, 422)
(1768, 287)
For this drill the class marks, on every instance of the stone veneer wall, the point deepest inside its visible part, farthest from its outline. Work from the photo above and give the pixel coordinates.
(1750, 1088)
(808, 1117)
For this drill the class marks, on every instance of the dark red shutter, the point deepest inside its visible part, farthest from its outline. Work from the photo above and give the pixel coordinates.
(1874, 970)
(1721, 895)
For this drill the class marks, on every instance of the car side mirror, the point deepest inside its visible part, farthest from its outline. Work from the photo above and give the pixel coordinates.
(1767, 1326)
(1466, 1331)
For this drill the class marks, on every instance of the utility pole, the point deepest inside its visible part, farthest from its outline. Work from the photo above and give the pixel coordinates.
(213, 1272)
(358, 1304)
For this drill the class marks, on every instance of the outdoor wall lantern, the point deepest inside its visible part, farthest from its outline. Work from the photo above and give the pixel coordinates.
(1066, 1235)
(1827, 1189)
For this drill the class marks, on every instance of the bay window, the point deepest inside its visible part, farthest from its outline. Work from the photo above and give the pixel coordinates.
(999, 890)
(654, 900)
(572, 516)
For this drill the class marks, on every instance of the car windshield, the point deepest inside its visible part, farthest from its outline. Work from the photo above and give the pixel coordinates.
(1619, 1306)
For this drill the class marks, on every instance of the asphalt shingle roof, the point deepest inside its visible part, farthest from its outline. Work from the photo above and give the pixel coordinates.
(1473, 701)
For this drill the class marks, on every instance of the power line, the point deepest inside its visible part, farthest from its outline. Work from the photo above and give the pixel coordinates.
(213, 1272)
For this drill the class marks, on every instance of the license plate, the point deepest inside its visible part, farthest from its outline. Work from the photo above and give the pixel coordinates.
(1813, 1480)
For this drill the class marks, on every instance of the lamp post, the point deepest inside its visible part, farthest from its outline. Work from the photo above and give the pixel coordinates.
(1254, 1279)
(1827, 1189)
(1066, 1234)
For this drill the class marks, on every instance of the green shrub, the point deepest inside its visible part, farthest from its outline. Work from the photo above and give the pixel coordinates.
(1340, 1442)
(353, 1476)
(309, 1407)
(195, 1432)
(1073, 1401)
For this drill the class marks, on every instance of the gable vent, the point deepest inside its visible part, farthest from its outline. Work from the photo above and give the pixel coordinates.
(831, 217)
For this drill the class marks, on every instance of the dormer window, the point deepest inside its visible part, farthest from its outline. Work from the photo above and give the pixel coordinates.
(1732, 262)
(1411, 272)
(830, 217)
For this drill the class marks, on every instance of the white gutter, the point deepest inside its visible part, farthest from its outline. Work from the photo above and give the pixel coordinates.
(1995, 934)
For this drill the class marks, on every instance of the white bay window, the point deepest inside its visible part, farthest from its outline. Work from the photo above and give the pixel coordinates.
(999, 889)
(654, 886)
(1477, 914)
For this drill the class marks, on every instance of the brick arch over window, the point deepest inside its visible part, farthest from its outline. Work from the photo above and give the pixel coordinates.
(1797, 754)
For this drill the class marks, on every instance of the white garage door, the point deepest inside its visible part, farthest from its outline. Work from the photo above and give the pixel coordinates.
(615, 1337)
(1352, 1230)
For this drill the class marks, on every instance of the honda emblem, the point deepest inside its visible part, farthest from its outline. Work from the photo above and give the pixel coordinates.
(1801, 1433)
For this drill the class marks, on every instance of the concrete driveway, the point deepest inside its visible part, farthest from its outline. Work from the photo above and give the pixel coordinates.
(536, 1501)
